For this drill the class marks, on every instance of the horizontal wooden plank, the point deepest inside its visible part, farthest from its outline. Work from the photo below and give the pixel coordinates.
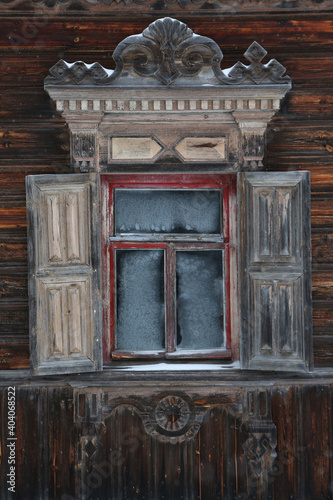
(35, 167)
(12, 184)
(321, 178)
(13, 253)
(322, 285)
(310, 31)
(323, 352)
(12, 217)
(322, 314)
(13, 247)
(13, 283)
(14, 320)
(315, 164)
(307, 104)
(14, 201)
(322, 210)
(20, 142)
(293, 138)
(14, 355)
(32, 106)
(322, 248)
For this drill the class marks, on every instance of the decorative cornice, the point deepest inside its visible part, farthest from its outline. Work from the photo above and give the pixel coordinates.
(166, 105)
(87, 7)
(168, 53)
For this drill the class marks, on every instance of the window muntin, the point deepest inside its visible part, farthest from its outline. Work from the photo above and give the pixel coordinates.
(209, 334)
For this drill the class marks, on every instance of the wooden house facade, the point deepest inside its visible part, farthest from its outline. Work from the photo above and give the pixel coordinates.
(87, 411)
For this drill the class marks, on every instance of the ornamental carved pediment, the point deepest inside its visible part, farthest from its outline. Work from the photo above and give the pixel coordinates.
(168, 53)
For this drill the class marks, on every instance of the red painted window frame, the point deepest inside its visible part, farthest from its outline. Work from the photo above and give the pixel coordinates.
(109, 182)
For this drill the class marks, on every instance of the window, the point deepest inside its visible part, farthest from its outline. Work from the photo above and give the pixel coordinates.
(169, 265)
(70, 278)
(233, 279)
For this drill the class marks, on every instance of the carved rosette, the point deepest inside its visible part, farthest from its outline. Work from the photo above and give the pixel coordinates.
(173, 418)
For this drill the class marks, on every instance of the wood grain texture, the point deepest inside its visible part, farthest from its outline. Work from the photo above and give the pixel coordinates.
(14, 319)
(35, 139)
(64, 305)
(120, 460)
(272, 32)
(14, 355)
(275, 270)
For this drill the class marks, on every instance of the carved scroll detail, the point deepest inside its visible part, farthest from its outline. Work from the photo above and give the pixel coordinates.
(169, 417)
(168, 51)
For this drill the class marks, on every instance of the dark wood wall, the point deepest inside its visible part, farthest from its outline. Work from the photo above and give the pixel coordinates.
(119, 460)
(34, 138)
(60, 456)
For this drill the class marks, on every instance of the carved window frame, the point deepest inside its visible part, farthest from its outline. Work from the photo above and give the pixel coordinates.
(226, 184)
(181, 82)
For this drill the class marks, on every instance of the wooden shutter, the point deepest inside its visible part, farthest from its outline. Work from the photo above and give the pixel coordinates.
(64, 273)
(275, 263)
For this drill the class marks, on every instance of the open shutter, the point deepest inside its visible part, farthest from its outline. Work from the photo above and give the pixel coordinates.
(64, 273)
(275, 263)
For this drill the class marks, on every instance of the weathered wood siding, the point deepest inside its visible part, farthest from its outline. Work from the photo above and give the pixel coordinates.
(35, 140)
(119, 460)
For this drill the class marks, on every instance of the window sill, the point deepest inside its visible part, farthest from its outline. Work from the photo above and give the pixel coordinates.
(202, 355)
(199, 374)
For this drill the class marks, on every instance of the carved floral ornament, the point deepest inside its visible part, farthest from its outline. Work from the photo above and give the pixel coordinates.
(220, 6)
(167, 69)
(169, 53)
(177, 417)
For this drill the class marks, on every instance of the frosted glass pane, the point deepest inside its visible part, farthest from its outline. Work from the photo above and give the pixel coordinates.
(140, 300)
(199, 299)
(167, 211)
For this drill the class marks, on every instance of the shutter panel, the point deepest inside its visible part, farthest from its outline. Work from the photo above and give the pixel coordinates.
(275, 264)
(64, 273)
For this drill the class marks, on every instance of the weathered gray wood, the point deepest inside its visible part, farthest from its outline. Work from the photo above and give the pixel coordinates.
(64, 273)
(168, 73)
(275, 270)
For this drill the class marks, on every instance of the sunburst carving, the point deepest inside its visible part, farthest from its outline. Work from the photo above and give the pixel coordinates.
(172, 413)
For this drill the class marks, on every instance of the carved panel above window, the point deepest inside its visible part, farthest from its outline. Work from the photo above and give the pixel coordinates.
(168, 73)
